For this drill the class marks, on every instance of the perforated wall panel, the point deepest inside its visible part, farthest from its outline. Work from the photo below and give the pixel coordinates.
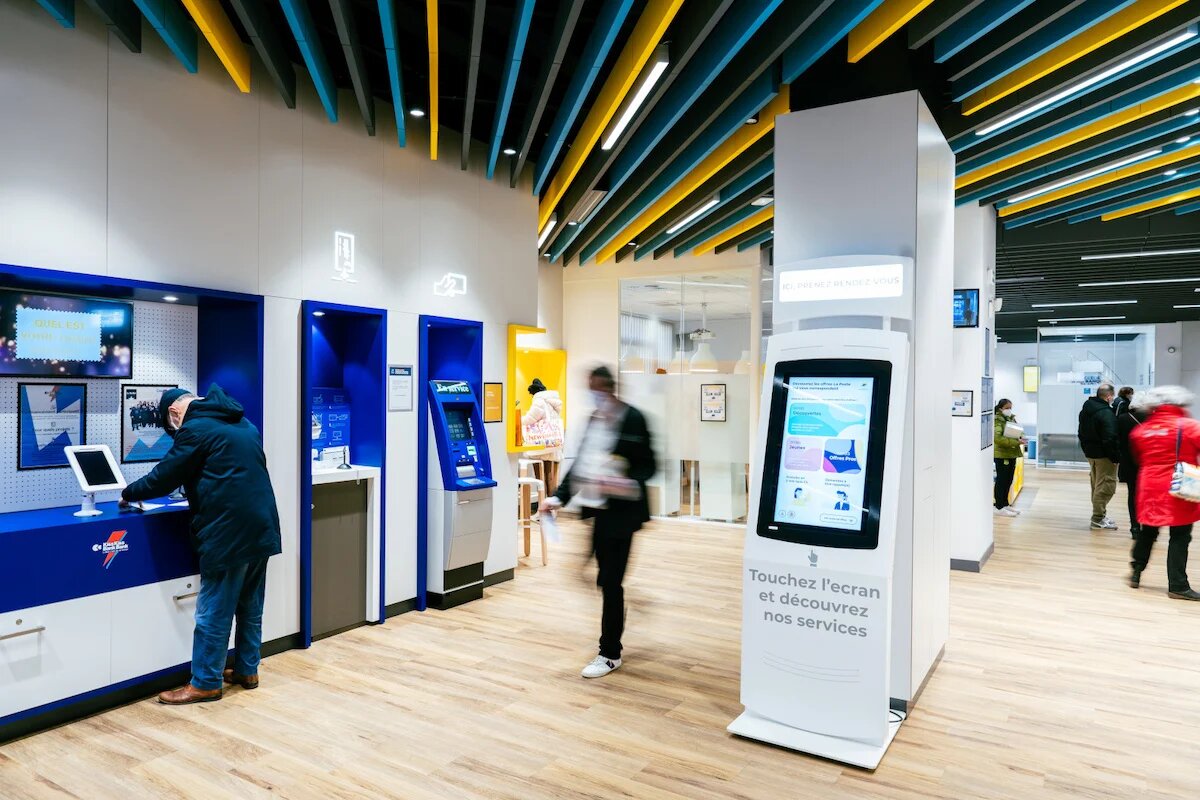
(164, 352)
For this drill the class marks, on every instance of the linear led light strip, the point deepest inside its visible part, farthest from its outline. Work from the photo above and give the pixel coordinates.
(662, 60)
(1003, 122)
(1142, 281)
(1188, 305)
(1077, 319)
(1083, 176)
(545, 234)
(1145, 254)
(1084, 303)
(692, 217)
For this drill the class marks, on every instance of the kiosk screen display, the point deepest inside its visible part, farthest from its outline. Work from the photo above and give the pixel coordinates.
(458, 425)
(823, 472)
(95, 468)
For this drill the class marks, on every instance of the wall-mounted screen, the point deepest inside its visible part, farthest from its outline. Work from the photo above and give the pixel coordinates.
(966, 308)
(64, 337)
(823, 471)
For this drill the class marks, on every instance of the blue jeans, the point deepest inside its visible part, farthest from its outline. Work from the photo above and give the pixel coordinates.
(239, 592)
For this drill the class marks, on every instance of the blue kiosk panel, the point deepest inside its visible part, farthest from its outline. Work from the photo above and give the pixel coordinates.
(458, 429)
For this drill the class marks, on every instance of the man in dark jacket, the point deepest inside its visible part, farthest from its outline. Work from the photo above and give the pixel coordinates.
(1101, 446)
(608, 479)
(217, 457)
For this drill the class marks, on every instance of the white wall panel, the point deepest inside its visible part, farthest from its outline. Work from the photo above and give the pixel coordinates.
(53, 139)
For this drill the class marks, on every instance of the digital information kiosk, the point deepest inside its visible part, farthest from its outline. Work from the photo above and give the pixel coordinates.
(460, 494)
(97, 471)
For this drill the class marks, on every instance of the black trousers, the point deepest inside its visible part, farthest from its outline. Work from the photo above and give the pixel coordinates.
(1131, 486)
(1005, 469)
(611, 545)
(1177, 554)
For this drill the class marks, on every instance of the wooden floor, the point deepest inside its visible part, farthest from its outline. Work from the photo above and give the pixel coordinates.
(1058, 682)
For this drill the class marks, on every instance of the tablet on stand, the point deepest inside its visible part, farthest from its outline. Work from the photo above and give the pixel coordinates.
(97, 471)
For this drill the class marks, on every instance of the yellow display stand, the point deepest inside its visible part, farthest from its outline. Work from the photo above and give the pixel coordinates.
(526, 362)
(1018, 481)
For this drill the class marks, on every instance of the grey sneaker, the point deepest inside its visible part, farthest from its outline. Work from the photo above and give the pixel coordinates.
(1104, 525)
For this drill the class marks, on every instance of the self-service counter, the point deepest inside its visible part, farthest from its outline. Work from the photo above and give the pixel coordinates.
(460, 494)
(90, 606)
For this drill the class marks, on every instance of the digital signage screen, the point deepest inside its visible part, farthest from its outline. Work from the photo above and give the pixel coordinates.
(823, 471)
(966, 308)
(63, 336)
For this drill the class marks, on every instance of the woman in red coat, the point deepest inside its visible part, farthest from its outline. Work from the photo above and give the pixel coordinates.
(1154, 445)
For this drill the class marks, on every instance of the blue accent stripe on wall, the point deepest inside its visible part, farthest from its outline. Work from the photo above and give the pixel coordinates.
(1044, 39)
(508, 83)
(732, 119)
(974, 26)
(62, 10)
(387, 20)
(604, 33)
(300, 21)
(169, 19)
(731, 35)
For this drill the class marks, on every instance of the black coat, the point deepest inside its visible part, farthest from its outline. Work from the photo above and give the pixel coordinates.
(218, 459)
(1126, 423)
(634, 445)
(1098, 430)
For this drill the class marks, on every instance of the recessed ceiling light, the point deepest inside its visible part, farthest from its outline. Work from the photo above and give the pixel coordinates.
(1170, 172)
(508, 151)
(170, 298)
(1183, 140)
(573, 223)
(1185, 251)
(1191, 113)
(318, 313)
(752, 120)
(1084, 303)
(417, 112)
(631, 244)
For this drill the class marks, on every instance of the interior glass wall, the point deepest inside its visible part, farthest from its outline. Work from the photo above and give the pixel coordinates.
(685, 362)
(1074, 361)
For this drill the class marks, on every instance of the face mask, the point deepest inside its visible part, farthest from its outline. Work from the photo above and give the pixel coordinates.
(1007, 412)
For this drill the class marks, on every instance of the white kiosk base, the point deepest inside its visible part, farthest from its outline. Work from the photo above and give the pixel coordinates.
(847, 751)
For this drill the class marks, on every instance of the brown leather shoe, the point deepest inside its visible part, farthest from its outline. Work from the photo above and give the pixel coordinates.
(244, 681)
(189, 694)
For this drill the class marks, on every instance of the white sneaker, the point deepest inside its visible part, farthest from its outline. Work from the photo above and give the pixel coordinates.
(1006, 512)
(600, 667)
(1016, 512)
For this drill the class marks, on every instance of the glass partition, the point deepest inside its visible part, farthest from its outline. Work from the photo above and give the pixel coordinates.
(1074, 361)
(685, 362)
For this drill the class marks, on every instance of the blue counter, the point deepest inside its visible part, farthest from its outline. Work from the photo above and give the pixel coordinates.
(50, 555)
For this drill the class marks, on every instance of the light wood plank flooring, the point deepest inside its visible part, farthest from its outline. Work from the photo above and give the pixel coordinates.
(1058, 682)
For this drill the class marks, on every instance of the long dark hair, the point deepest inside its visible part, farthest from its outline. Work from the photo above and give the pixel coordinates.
(1003, 402)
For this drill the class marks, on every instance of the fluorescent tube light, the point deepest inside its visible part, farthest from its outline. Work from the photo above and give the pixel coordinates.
(1077, 319)
(545, 234)
(1042, 311)
(1083, 176)
(1021, 280)
(1142, 281)
(1103, 75)
(1084, 303)
(508, 151)
(1185, 251)
(661, 61)
(765, 200)
(703, 283)
(416, 112)
(1170, 173)
(1183, 140)
(1187, 305)
(692, 217)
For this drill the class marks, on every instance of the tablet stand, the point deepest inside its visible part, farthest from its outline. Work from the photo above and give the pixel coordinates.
(88, 507)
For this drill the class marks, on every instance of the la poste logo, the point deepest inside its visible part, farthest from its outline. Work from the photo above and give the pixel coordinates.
(115, 544)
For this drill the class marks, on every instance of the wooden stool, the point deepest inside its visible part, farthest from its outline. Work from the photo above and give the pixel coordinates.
(526, 485)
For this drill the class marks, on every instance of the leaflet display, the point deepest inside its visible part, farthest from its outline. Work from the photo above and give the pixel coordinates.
(822, 477)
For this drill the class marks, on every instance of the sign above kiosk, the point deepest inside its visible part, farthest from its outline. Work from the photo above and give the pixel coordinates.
(842, 283)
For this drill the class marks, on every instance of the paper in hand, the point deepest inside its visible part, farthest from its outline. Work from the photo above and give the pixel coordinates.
(550, 527)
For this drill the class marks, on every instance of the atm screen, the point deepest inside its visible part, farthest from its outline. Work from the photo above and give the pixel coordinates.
(823, 471)
(458, 425)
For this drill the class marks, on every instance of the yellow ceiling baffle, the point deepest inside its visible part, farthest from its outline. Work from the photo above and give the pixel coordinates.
(215, 26)
(431, 14)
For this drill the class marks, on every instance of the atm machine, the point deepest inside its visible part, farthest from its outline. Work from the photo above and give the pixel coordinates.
(460, 495)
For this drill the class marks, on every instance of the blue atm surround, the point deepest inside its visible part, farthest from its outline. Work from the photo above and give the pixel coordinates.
(51, 556)
(461, 441)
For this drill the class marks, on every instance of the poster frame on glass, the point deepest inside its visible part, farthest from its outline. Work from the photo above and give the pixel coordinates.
(962, 403)
(987, 430)
(23, 401)
(705, 415)
(126, 431)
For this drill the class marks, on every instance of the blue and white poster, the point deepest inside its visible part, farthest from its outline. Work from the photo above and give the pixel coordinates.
(52, 418)
(142, 437)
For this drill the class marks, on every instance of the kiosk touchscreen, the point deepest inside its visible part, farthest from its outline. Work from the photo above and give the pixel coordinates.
(817, 581)
(460, 495)
(97, 471)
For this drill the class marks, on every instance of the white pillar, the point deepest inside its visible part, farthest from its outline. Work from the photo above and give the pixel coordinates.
(877, 177)
(970, 464)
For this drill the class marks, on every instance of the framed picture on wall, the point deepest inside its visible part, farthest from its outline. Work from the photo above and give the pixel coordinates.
(712, 402)
(962, 403)
(987, 431)
(142, 437)
(493, 402)
(51, 417)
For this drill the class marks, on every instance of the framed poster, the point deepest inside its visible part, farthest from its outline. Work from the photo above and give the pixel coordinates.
(987, 431)
(712, 402)
(988, 400)
(1031, 377)
(400, 385)
(962, 403)
(142, 438)
(52, 417)
(493, 402)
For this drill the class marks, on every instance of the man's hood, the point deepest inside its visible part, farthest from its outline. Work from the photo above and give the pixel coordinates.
(216, 405)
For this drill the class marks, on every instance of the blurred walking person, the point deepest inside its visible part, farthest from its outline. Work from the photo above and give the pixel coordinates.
(1129, 417)
(608, 480)
(1168, 436)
